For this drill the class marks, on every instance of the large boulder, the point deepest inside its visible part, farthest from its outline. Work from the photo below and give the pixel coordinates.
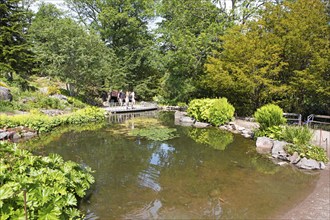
(278, 150)
(264, 145)
(5, 94)
(308, 164)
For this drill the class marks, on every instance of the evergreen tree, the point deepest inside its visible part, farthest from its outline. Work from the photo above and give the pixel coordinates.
(15, 51)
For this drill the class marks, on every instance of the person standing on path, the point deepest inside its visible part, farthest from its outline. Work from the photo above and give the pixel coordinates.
(120, 97)
(133, 98)
(127, 99)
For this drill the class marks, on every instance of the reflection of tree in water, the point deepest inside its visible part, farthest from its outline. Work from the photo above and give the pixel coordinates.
(214, 138)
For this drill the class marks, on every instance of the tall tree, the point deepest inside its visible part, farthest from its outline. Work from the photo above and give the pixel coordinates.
(123, 26)
(283, 57)
(187, 34)
(15, 51)
(75, 55)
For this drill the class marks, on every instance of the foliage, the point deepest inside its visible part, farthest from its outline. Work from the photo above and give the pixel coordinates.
(16, 55)
(282, 57)
(214, 138)
(187, 33)
(274, 132)
(215, 111)
(51, 185)
(45, 123)
(269, 115)
(300, 135)
(70, 52)
(310, 152)
(123, 26)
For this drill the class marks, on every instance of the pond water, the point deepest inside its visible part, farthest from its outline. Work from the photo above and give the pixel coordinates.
(201, 174)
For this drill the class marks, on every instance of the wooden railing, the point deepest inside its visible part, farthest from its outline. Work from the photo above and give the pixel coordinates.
(318, 119)
(293, 118)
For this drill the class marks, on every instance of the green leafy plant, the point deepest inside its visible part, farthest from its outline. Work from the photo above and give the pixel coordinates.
(214, 111)
(300, 135)
(269, 115)
(274, 132)
(45, 123)
(310, 152)
(48, 187)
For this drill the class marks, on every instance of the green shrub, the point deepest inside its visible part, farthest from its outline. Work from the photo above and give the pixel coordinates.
(310, 152)
(195, 108)
(221, 112)
(301, 135)
(44, 123)
(214, 111)
(274, 132)
(269, 115)
(52, 90)
(50, 185)
(76, 102)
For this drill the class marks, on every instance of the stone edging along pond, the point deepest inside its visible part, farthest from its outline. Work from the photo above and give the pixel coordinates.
(264, 145)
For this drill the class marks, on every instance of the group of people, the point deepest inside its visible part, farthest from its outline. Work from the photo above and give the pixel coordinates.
(126, 97)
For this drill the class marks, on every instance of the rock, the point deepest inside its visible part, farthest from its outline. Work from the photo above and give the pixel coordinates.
(239, 128)
(294, 158)
(186, 119)
(59, 96)
(44, 90)
(308, 164)
(282, 163)
(178, 114)
(5, 94)
(16, 136)
(52, 112)
(246, 135)
(29, 134)
(264, 145)
(4, 135)
(223, 127)
(278, 150)
(322, 166)
(201, 124)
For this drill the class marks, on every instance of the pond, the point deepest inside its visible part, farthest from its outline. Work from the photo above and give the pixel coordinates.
(199, 174)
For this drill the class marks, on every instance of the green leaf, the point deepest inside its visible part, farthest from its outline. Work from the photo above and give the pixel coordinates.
(49, 213)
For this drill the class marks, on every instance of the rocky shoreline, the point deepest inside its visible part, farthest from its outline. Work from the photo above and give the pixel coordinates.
(264, 145)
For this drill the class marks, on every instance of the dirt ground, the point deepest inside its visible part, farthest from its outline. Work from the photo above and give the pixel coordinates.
(316, 205)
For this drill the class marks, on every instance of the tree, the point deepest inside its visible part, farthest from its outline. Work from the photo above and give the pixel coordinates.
(283, 57)
(187, 34)
(68, 51)
(15, 51)
(123, 26)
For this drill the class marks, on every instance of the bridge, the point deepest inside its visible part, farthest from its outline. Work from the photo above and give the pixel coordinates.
(114, 108)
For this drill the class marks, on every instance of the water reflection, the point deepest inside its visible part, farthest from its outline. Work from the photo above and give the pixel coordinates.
(179, 178)
(150, 211)
(159, 158)
(213, 137)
